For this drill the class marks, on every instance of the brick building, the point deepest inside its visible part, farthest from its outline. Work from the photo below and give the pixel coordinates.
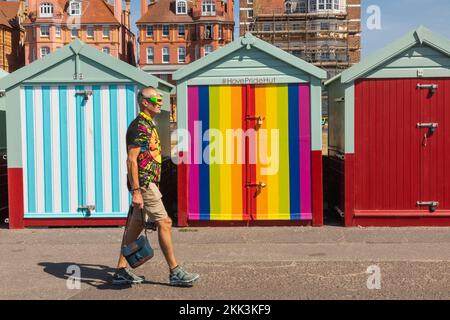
(326, 33)
(246, 15)
(103, 24)
(12, 34)
(173, 33)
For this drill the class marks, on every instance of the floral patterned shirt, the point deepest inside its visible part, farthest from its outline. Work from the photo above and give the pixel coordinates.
(142, 133)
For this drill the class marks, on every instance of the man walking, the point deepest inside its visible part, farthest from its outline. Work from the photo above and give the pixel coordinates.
(144, 172)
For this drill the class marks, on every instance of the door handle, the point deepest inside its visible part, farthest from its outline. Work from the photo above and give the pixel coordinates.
(258, 185)
(259, 120)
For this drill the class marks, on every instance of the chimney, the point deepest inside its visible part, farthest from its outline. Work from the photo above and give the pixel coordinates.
(118, 10)
(144, 7)
(127, 14)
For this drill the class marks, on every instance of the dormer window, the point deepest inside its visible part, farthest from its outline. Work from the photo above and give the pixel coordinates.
(181, 6)
(46, 10)
(75, 8)
(208, 8)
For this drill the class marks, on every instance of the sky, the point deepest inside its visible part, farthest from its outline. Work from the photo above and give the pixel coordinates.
(397, 18)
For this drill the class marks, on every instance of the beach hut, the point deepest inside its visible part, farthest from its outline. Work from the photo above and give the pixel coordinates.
(389, 129)
(66, 119)
(249, 138)
(3, 157)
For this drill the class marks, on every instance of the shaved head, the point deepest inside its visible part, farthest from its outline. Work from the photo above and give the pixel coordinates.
(147, 92)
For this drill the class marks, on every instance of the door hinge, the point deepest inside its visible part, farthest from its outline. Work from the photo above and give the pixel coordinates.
(433, 205)
(431, 87)
(89, 208)
(430, 126)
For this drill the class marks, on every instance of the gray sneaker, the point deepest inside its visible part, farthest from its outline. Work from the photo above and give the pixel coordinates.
(180, 277)
(126, 276)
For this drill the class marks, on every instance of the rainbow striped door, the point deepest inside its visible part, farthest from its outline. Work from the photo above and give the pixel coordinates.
(74, 150)
(249, 153)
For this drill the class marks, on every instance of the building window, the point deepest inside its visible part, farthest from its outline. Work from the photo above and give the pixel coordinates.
(208, 50)
(46, 10)
(209, 8)
(165, 55)
(250, 14)
(58, 31)
(313, 5)
(74, 33)
(106, 50)
(267, 27)
(45, 51)
(166, 30)
(181, 30)
(220, 32)
(325, 25)
(149, 31)
(90, 32)
(181, 7)
(302, 7)
(45, 31)
(329, 4)
(75, 8)
(208, 31)
(150, 55)
(181, 55)
(337, 5)
(106, 32)
(249, 1)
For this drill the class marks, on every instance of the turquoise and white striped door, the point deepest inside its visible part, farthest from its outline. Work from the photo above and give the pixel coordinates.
(74, 150)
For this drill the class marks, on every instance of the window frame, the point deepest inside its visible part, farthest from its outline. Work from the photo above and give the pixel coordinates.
(72, 9)
(208, 7)
(184, 31)
(164, 26)
(152, 55)
(40, 52)
(47, 27)
(181, 4)
(87, 32)
(165, 55)
(50, 8)
(107, 36)
(178, 52)
(147, 27)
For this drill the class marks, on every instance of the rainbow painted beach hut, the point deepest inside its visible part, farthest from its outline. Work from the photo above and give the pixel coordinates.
(249, 138)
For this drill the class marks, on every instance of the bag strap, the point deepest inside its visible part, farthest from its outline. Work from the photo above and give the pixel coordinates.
(145, 223)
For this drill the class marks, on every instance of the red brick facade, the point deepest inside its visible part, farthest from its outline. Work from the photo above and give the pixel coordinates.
(207, 26)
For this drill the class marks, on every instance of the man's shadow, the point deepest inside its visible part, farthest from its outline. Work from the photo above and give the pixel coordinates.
(97, 276)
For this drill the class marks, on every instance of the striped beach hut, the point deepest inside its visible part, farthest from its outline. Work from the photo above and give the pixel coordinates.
(66, 117)
(250, 138)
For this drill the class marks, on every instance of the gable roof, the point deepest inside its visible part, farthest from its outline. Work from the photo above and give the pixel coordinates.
(78, 48)
(8, 11)
(164, 11)
(419, 36)
(92, 11)
(249, 41)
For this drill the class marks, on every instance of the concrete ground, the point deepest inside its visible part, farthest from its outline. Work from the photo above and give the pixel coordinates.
(234, 263)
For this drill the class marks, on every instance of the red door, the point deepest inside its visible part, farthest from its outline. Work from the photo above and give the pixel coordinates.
(434, 128)
(402, 149)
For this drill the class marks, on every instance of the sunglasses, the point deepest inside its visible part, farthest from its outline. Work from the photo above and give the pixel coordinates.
(156, 100)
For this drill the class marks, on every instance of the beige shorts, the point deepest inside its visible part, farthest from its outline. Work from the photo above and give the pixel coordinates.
(153, 206)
